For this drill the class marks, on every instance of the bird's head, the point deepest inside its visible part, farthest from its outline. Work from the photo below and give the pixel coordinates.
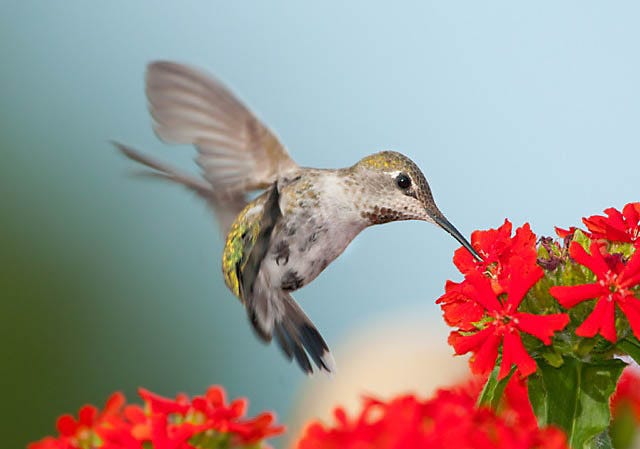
(394, 188)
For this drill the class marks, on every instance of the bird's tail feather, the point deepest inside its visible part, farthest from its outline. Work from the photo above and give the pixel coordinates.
(226, 208)
(165, 171)
(294, 332)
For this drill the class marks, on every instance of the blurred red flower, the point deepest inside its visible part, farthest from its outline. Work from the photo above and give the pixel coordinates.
(163, 423)
(613, 286)
(616, 226)
(449, 420)
(81, 432)
(627, 393)
(503, 323)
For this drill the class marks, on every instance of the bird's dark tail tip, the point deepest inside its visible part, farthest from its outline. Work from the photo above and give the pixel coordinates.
(298, 338)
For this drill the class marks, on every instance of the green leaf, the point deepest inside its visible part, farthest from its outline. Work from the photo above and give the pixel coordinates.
(575, 397)
(538, 396)
(493, 389)
(553, 358)
(631, 347)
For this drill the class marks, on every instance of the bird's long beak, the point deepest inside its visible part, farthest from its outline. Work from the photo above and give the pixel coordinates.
(447, 226)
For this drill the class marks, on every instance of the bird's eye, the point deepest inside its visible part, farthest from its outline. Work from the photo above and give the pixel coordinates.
(403, 181)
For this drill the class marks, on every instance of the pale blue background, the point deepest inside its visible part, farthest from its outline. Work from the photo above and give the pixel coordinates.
(107, 282)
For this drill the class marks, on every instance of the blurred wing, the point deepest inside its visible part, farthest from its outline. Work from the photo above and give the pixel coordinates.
(237, 152)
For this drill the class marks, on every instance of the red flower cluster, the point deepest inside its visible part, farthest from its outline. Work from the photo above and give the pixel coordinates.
(616, 226)
(485, 305)
(448, 420)
(612, 287)
(162, 424)
(499, 251)
(81, 433)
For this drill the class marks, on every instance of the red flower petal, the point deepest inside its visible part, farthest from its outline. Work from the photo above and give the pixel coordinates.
(216, 396)
(478, 288)
(134, 413)
(514, 352)
(87, 415)
(464, 260)
(631, 213)
(523, 277)
(611, 227)
(160, 404)
(630, 306)
(483, 361)
(594, 261)
(627, 394)
(569, 296)
(564, 233)
(466, 343)
(238, 407)
(541, 326)
(459, 310)
(601, 319)
(113, 405)
(630, 275)
(616, 226)
(484, 344)
(67, 425)
(524, 241)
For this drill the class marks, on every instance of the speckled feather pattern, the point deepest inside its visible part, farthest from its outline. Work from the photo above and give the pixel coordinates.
(393, 162)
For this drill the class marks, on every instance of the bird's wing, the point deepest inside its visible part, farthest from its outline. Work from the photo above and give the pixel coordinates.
(271, 311)
(238, 153)
(242, 238)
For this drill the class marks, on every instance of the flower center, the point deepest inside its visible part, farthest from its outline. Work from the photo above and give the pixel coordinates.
(503, 320)
(612, 282)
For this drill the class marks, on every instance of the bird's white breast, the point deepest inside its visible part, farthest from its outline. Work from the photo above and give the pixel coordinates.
(315, 228)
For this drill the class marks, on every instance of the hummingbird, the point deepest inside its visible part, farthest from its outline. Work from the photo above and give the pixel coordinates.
(302, 220)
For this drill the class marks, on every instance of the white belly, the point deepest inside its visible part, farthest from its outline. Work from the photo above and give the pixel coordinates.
(313, 231)
(295, 260)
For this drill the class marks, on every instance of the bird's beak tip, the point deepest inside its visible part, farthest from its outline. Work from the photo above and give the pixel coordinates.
(447, 226)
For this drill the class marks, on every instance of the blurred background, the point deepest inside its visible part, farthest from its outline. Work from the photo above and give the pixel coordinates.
(108, 282)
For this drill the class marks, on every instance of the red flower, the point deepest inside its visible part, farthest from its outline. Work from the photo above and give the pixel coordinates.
(616, 227)
(613, 286)
(505, 323)
(163, 424)
(81, 432)
(498, 250)
(225, 418)
(126, 431)
(448, 420)
(171, 424)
